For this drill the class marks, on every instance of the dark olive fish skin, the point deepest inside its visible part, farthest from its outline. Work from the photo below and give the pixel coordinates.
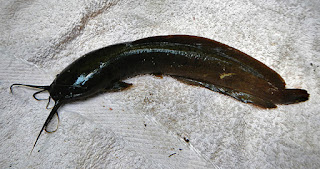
(190, 59)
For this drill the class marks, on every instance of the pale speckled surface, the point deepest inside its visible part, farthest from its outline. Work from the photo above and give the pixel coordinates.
(142, 126)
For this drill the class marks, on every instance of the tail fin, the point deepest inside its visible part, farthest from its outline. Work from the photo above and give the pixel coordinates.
(291, 96)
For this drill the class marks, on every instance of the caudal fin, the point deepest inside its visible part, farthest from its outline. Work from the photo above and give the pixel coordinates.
(291, 96)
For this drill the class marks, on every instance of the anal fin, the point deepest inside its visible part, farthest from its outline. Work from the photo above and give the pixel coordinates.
(241, 96)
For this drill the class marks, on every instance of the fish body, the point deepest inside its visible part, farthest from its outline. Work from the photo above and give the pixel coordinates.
(190, 59)
(193, 60)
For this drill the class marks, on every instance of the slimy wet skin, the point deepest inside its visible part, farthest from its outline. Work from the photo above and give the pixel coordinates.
(189, 59)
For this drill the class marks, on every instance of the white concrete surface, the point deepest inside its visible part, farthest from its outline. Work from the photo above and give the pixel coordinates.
(143, 126)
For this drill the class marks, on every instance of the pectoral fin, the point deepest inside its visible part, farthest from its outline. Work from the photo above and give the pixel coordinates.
(158, 75)
(119, 86)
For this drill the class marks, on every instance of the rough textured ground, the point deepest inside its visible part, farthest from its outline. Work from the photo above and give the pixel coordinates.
(147, 125)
